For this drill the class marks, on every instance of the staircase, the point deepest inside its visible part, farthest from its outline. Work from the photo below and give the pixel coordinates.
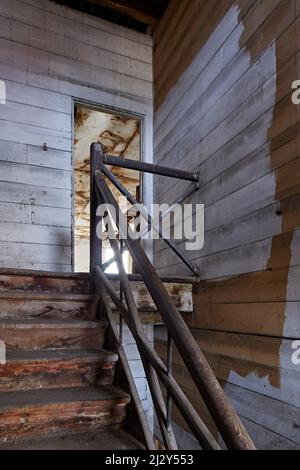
(57, 384)
(59, 378)
(159, 374)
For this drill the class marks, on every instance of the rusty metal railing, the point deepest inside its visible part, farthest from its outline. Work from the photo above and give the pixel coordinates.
(158, 373)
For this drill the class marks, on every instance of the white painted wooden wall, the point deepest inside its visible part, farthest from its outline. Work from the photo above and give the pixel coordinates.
(50, 55)
(138, 371)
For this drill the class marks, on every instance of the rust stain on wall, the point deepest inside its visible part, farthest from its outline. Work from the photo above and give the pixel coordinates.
(119, 136)
(115, 134)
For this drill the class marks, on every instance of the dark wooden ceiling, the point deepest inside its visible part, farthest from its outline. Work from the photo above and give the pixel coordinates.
(135, 14)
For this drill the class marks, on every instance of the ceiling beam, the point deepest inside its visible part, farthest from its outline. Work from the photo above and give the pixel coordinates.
(146, 12)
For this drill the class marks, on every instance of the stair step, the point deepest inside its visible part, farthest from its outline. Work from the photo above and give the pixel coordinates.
(42, 281)
(28, 370)
(52, 334)
(181, 294)
(47, 305)
(15, 281)
(105, 440)
(49, 355)
(42, 413)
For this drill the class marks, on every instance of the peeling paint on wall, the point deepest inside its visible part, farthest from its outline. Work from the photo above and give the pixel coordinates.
(119, 136)
(247, 306)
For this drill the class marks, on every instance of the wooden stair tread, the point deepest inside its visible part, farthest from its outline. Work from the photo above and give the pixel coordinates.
(40, 356)
(57, 379)
(86, 276)
(30, 272)
(52, 334)
(37, 295)
(29, 398)
(43, 413)
(116, 439)
(30, 294)
(56, 368)
(50, 324)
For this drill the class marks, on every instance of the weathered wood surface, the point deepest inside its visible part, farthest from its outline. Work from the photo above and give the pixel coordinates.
(57, 378)
(94, 440)
(148, 13)
(30, 295)
(58, 334)
(30, 370)
(13, 281)
(45, 296)
(223, 108)
(181, 295)
(49, 55)
(273, 415)
(43, 306)
(44, 413)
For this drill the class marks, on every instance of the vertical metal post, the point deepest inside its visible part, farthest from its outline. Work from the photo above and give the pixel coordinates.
(169, 367)
(96, 157)
(187, 410)
(121, 297)
(157, 396)
(149, 219)
(225, 417)
(124, 361)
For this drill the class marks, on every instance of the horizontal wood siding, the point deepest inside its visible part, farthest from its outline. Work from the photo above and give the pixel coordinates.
(223, 72)
(50, 54)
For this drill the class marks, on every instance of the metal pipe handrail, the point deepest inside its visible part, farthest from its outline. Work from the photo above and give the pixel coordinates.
(227, 421)
(149, 219)
(136, 325)
(187, 410)
(150, 168)
(225, 417)
(108, 263)
(123, 358)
